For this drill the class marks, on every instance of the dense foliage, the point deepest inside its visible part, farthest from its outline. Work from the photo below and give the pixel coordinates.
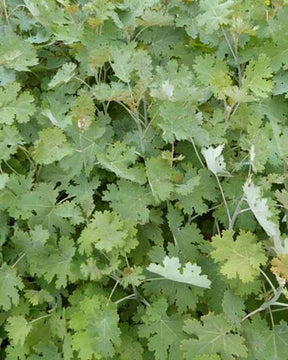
(144, 183)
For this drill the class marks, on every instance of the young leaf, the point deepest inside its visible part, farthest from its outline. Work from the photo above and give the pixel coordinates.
(238, 258)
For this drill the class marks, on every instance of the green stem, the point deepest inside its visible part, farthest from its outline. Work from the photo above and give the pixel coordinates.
(224, 199)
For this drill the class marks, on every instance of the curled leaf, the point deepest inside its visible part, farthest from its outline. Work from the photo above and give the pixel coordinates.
(215, 160)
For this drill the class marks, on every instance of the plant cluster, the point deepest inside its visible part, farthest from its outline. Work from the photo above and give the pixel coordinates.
(143, 179)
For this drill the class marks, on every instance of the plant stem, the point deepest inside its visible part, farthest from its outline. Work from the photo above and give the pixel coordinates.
(236, 213)
(269, 281)
(131, 296)
(234, 56)
(197, 153)
(224, 199)
(40, 318)
(112, 292)
(17, 261)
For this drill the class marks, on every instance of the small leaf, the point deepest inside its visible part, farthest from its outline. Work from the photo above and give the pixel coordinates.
(280, 266)
(215, 160)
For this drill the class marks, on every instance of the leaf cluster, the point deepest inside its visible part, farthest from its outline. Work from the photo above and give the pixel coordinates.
(143, 179)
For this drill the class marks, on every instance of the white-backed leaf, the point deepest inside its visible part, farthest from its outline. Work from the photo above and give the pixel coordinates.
(190, 274)
(263, 214)
(215, 160)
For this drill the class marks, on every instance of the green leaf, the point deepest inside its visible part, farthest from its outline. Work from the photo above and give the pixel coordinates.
(164, 332)
(179, 121)
(41, 208)
(238, 258)
(263, 342)
(159, 175)
(10, 284)
(95, 327)
(214, 14)
(63, 75)
(51, 146)
(257, 77)
(18, 328)
(38, 297)
(15, 105)
(119, 158)
(10, 138)
(122, 61)
(196, 200)
(130, 200)
(105, 232)
(130, 347)
(16, 53)
(233, 307)
(3, 180)
(58, 262)
(213, 336)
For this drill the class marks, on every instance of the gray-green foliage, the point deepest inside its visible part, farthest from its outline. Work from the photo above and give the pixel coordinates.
(143, 179)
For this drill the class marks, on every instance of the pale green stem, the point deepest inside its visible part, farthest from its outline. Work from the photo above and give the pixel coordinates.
(224, 199)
